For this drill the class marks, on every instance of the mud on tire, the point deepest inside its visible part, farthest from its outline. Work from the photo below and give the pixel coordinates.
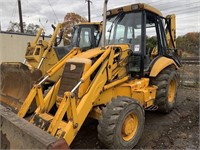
(167, 83)
(121, 123)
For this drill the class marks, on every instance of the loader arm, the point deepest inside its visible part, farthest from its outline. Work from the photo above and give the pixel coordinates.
(36, 91)
(79, 111)
(86, 104)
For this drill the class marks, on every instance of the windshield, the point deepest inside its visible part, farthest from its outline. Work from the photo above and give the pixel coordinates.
(75, 34)
(124, 28)
(85, 36)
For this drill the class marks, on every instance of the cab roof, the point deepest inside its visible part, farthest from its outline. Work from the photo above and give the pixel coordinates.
(133, 7)
(89, 23)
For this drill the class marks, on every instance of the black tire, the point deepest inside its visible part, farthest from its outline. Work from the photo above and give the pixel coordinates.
(111, 123)
(165, 80)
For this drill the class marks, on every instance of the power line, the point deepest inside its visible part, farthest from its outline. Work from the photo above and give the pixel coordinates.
(190, 9)
(163, 4)
(13, 12)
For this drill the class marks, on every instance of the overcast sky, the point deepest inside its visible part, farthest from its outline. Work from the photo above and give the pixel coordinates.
(47, 12)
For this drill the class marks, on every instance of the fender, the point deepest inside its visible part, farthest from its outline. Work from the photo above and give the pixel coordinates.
(160, 64)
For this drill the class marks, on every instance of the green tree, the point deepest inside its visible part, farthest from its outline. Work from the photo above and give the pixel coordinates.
(29, 29)
(151, 42)
(189, 42)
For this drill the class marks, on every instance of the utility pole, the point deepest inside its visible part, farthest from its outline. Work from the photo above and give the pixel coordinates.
(20, 16)
(88, 1)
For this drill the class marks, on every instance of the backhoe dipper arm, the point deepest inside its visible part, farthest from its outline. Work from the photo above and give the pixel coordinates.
(51, 41)
(37, 36)
(171, 32)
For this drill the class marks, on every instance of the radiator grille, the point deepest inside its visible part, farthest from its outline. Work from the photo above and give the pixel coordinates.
(71, 76)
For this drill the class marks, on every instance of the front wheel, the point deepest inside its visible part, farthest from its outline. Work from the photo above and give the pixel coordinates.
(121, 123)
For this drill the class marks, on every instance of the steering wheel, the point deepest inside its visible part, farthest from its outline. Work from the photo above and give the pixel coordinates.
(121, 40)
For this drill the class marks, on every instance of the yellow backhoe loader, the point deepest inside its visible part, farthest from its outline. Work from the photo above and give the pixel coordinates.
(18, 78)
(113, 83)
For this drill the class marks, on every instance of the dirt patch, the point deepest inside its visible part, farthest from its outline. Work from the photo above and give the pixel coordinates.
(176, 130)
(190, 75)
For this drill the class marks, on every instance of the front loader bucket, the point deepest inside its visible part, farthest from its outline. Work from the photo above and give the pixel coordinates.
(17, 133)
(16, 82)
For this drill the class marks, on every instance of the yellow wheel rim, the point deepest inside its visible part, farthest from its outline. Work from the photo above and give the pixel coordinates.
(129, 127)
(171, 91)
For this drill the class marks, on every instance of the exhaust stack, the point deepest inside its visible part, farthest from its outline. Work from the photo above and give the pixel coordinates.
(104, 24)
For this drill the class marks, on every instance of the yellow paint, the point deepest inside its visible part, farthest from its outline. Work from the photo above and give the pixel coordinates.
(39, 98)
(24, 108)
(90, 53)
(95, 65)
(85, 104)
(74, 112)
(114, 83)
(171, 91)
(160, 64)
(37, 37)
(139, 6)
(49, 99)
(172, 18)
(62, 62)
(137, 89)
(129, 127)
(59, 114)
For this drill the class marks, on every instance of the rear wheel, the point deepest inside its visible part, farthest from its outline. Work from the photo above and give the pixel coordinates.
(121, 123)
(167, 83)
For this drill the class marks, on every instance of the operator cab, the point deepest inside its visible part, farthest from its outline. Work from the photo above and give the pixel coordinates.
(85, 36)
(143, 29)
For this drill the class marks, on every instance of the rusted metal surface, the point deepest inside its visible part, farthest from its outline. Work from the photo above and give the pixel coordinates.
(17, 133)
(60, 144)
(16, 82)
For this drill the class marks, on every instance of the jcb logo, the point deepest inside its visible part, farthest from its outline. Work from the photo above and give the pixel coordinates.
(72, 67)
